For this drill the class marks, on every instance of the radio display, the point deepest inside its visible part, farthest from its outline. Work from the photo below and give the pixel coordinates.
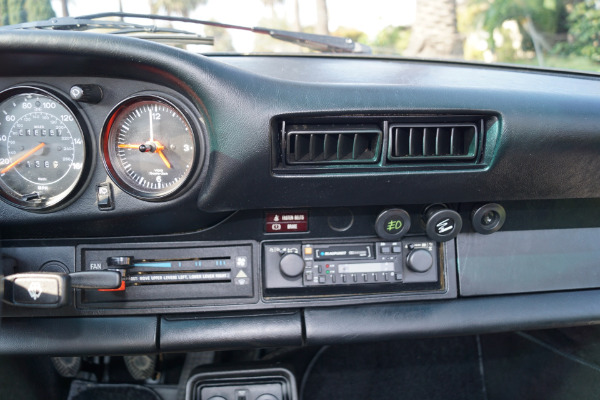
(358, 268)
(343, 252)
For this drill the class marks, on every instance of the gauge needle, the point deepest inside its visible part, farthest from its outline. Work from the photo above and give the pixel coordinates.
(137, 146)
(162, 156)
(151, 128)
(129, 146)
(156, 148)
(22, 158)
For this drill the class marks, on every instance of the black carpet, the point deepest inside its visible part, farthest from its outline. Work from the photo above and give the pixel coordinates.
(444, 368)
(93, 391)
(517, 368)
(30, 378)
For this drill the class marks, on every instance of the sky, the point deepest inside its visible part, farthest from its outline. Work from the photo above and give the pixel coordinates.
(348, 13)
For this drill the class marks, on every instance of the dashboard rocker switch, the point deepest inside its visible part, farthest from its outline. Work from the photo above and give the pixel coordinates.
(86, 93)
(104, 196)
(441, 223)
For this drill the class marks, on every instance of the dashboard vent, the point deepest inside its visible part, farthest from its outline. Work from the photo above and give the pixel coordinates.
(307, 144)
(432, 142)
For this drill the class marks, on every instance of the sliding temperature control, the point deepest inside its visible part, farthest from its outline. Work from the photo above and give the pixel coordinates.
(150, 147)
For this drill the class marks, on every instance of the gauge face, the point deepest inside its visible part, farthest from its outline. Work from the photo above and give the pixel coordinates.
(149, 147)
(42, 149)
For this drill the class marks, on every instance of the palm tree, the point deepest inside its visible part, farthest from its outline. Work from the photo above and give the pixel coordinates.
(434, 32)
(64, 5)
(271, 4)
(296, 17)
(322, 27)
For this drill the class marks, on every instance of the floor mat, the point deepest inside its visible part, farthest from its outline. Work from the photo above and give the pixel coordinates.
(30, 378)
(519, 368)
(442, 368)
(93, 391)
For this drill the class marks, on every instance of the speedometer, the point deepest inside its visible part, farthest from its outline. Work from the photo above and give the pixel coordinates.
(150, 147)
(42, 148)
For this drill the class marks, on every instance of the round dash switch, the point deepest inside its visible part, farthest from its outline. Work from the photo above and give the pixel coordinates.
(442, 224)
(488, 218)
(392, 224)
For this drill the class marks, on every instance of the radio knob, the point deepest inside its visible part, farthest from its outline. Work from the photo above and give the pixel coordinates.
(291, 265)
(419, 260)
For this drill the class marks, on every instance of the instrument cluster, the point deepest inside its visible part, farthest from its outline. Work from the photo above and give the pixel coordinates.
(150, 146)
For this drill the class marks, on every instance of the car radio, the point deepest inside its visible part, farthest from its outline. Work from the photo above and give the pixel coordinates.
(331, 267)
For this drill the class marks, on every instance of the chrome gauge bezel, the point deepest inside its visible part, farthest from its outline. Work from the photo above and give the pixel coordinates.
(193, 120)
(81, 180)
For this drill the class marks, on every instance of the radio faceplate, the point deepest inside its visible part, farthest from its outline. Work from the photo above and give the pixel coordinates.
(330, 268)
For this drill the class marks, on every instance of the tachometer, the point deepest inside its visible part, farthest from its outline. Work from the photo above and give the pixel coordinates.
(42, 148)
(149, 147)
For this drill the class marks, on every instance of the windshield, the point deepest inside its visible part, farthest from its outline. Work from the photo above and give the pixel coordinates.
(562, 34)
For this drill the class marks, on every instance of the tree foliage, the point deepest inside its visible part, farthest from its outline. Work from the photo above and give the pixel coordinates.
(18, 11)
(391, 40)
(540, 21)
(548, 15)
(351, 33)
(584, 31)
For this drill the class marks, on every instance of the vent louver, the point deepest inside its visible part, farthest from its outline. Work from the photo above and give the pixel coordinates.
(432, 142)
(333, 144)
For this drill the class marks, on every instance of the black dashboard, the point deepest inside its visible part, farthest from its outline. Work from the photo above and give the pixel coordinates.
(323, 198)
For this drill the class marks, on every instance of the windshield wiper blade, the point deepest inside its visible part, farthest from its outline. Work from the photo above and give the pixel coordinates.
(147, 32)
(166, 35)
(75, 24)
(322, 43)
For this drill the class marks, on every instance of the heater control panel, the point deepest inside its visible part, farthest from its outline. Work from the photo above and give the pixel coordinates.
(165, 273)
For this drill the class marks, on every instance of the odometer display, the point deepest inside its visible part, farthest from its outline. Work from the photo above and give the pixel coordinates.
(42, 149)
(149, 147)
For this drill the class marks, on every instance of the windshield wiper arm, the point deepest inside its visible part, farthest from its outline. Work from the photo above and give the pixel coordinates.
(324, 43)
